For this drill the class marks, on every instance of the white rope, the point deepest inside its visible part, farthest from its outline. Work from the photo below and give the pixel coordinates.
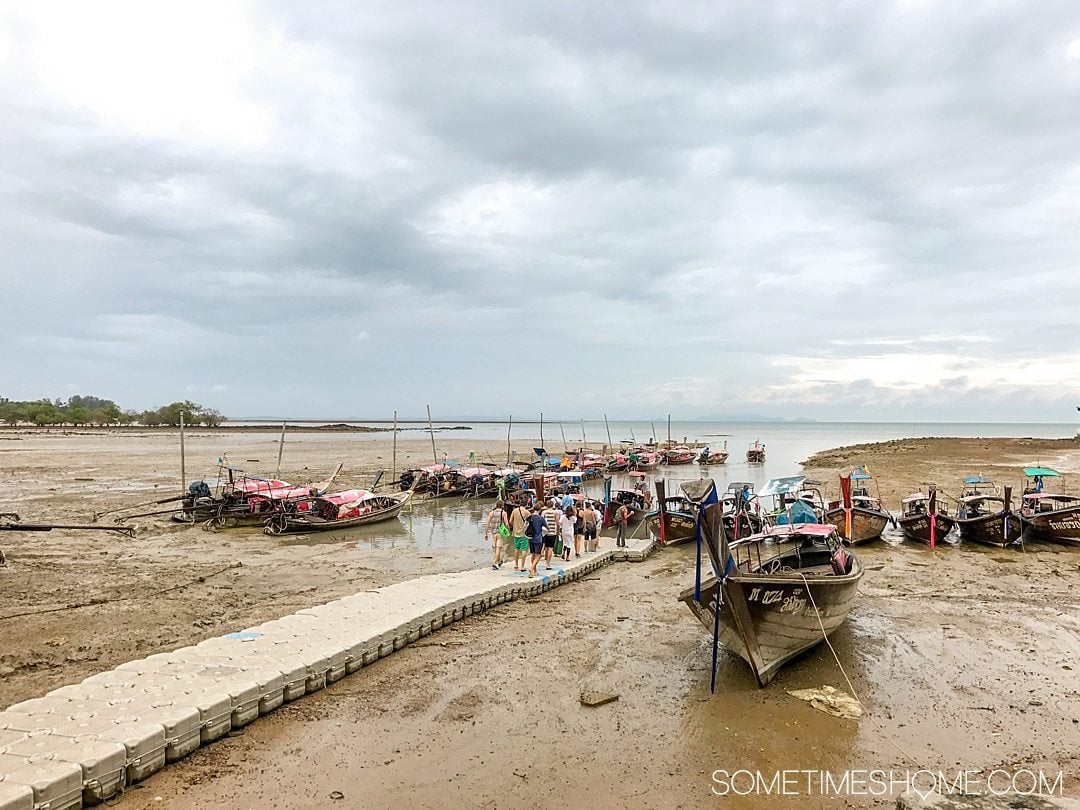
(854, 694)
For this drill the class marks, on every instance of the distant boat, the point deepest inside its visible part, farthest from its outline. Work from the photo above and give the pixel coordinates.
(707, 456)
(915, 518)
(1050, 516)
(756, 453)
(775, 594)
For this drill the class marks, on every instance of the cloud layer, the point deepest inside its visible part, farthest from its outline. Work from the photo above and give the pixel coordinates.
(799, 209)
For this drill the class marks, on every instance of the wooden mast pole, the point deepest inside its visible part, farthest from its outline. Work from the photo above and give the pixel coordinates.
(608, 429)
(431, 431)
(565, 448)
(394, 473)
(509, 427)
(183, 467)
(584, 443)
(281, 448)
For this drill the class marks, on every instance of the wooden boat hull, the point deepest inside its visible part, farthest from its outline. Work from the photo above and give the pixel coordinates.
(1060, 526)
(678, 526)
(716, 458)
(1000, 529)
(767, 621)
(917, 527)
(866, 524)
(304, 524)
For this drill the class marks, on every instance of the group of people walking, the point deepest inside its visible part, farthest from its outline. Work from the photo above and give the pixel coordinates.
(542, 531)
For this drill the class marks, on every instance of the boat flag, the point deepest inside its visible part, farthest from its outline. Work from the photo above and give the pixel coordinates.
(709, 498)
(932, 509)
(845, 490)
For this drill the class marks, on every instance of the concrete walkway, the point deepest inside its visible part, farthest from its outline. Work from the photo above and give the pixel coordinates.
(81, 744)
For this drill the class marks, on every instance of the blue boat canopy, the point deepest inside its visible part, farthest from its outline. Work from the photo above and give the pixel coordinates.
(1045, 472)
(860, 474)
(783, 486)
(977, 479)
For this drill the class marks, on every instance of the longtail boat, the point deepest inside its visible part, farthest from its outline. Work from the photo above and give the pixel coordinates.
(680, 454)
(242, 500)
(707, 456)
(341, 510)
(858, 515)
(674, 520)
(756, 453)
(915, 518)
(983, 516)
(769, 601)
(1050, 516)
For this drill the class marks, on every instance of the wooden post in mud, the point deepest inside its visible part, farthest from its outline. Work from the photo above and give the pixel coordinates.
(393, 475)
(281, 448)
(183, 469)
(608, 429)
(431, 431)
(509, 427)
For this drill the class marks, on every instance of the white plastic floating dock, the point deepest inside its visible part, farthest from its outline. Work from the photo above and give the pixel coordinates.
(81, 744)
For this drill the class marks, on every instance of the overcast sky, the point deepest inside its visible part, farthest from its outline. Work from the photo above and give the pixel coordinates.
(794, 209)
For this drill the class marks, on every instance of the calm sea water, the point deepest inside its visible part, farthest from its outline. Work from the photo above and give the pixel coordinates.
(456, 523)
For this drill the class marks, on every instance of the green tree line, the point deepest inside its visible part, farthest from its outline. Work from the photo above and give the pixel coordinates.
(80, 410)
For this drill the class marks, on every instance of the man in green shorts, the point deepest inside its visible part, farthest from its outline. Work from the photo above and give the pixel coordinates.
(518, 518)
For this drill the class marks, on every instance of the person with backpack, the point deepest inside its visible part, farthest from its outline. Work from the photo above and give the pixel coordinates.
(497, 530)
(534, 530)
(552, 526)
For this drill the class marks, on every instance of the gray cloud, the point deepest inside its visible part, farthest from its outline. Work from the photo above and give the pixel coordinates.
(745, 207)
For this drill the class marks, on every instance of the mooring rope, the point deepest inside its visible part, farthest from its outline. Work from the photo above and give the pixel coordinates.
(854, 694)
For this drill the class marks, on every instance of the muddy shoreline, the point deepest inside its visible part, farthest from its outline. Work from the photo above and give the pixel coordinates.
(965, 658)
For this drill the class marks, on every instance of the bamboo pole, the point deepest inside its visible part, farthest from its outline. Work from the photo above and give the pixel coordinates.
(509, 427)
(608, 429)
(431, 431)
(669, 430)
(565, 448)
(583, 442)
(281, 448)
(394, 473)
(183, 462)
(541, 429)
(653, 426)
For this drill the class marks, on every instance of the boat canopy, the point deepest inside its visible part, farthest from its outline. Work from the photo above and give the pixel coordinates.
(260, 485)
(441, 468)
(1044, 472)
(860, 474)
(349, 496)
(783, 486)
(918, 496)
(977, 479)
(470, 472)
(814, 529)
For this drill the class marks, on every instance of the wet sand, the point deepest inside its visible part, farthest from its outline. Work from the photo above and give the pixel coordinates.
(965, 658)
